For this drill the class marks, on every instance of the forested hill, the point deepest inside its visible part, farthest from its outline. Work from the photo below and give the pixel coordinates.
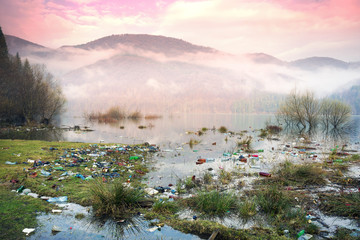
(350, 96)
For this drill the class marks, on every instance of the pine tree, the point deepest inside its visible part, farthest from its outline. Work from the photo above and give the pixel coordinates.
(4, 53)
(4, 76)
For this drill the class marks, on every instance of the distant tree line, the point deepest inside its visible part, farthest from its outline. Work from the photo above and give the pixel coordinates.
(258, 102)
(350, 96)
(28, 93)
(305, 111)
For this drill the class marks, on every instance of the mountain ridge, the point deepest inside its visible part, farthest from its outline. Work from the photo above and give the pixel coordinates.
(154, 43)
(170, 47)
(176, 75)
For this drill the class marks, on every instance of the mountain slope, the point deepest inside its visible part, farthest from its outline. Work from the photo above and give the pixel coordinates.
(158, 44)
(24, 47)
(158, 73)
(263, 58)
(314, 63)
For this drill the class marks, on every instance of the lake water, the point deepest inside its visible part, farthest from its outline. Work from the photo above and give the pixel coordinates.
(162, 130)
(177, 159)
(172, 133)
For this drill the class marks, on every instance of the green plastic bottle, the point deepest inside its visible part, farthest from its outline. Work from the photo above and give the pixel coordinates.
(20, 189)
(302, 232)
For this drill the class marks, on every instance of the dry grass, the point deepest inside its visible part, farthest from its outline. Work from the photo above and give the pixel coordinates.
(346, 205)
(135, 115)
(115, 114)
(152, 116)
(223, 129)
(303, 175)
(112, 115)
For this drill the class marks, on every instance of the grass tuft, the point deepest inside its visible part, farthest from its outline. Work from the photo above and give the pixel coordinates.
(165, 207)
(245, 143)
(247, 209)
(152, 116)
(213, 203)
(346, 205)
(193, 142)
(208, 178)
(272, 200)
(225, 177)
(303, 175)
(114, 198)
(135, 115)
(223, 129)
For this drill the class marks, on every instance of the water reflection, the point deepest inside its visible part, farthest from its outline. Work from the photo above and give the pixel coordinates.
(45, 134)
(92, 227)
(348, 133)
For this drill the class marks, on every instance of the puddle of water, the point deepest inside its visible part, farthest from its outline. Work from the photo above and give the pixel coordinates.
(331, 224)
(91, 228)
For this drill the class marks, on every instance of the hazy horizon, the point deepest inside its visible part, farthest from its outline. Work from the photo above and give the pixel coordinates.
(143, 72)
(289, 30)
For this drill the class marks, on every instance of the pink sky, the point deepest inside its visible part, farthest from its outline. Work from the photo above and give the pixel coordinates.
(287, 29)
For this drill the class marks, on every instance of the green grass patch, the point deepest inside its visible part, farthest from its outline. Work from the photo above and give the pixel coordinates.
(75, 188)
(204, 129)
(272, 200)
(208, 178)
(225, 176)
(346, 205)
(166, 207)
(223, 129)
(189, 183)
(344, 234)
(312, 229)
(213, 203)
(205, 228)
(79, 216)
(18, 212)
(263, 133)
(193, 142)
(247, 209)
(299, 175)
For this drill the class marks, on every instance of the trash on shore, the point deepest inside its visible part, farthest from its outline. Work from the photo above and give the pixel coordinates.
(56, 228)
(58, 199)
(28, 231)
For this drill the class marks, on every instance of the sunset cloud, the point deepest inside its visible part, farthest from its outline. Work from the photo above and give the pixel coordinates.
(286, 29)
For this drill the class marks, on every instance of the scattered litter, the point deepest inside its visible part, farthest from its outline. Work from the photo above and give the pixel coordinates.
(26, 191)
(34, 195)
(56, 229)
(151, 191)
(20, 189)
(28, 230)
(153, 229)
(305, 237)
(10, 163)
(45, 173)
(302, 232)
(58, 199)
(56, 211)
(265, 174)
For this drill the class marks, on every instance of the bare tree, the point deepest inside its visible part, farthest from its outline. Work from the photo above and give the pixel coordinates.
(49, 98)
(306, 111)
(340, 113)
(292, 111)
(310, 108)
